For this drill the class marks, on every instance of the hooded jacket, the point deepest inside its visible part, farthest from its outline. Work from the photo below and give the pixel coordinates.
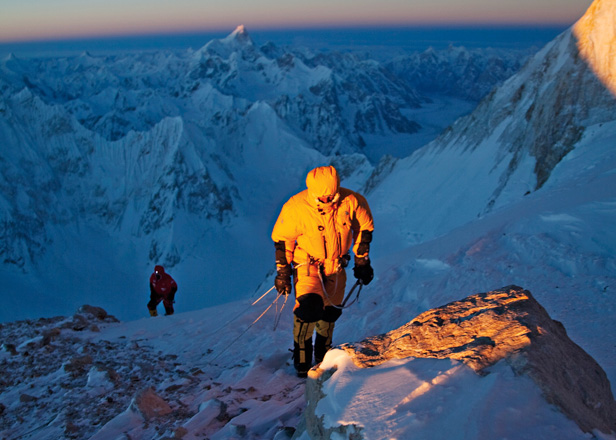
(162, 283)
(313, 231)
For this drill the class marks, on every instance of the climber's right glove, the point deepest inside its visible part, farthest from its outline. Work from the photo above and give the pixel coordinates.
(363, 271)
(283, 280)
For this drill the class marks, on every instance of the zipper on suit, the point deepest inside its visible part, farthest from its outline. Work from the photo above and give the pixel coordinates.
(339, 244)
(324, 246)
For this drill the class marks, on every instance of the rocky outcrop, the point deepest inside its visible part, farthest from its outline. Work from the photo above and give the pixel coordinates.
(506, 325)
(150, 404)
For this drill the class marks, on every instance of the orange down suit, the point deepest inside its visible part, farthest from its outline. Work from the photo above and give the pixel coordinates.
(317, 235)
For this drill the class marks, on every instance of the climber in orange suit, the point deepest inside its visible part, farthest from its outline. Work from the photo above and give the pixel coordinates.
(313, 235)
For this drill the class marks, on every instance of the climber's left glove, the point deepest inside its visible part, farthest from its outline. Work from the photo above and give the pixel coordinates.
(363, 271)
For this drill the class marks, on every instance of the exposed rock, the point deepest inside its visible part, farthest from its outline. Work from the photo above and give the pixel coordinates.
(150, 404)
(50, 335)
(507, 324)
(10, 348)
(94, 313)
(87, 317)
(78, 365)
(26, 398)
(71, 429)
(97, 312)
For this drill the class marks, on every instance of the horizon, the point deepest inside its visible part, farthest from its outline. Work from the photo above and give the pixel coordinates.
(66, 19)
(226, 30)
(409, 38)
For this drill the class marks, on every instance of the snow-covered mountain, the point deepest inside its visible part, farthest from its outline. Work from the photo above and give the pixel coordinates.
(466, 73)
(507, 148)
(522, 191)
(111, 164)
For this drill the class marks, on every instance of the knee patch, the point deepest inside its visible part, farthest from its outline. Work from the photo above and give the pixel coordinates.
(309, 308)
(331, 314)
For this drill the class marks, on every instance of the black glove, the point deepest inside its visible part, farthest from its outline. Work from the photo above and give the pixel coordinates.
(283, 280)
(363, 271)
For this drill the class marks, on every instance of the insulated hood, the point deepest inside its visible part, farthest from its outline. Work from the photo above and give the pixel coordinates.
(322, 181)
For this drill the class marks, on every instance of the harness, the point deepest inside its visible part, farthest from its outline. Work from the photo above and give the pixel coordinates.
(342, 263)
(330, 266)
(337, 265)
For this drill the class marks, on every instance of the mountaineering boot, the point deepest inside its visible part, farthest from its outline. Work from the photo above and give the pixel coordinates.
(323, 339)
(302, 346)
(153, 312)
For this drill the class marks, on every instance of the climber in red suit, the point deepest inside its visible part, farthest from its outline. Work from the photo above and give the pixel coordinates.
(162, 288)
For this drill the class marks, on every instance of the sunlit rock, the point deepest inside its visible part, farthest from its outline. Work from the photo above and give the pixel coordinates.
(506, 325)
(596, 41)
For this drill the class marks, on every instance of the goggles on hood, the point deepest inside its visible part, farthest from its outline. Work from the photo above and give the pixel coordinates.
(158, 270)
(323, 185)
(332, 198)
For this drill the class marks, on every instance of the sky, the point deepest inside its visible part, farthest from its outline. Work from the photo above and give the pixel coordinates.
(35, 20)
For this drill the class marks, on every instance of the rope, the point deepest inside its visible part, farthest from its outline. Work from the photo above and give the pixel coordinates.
(38, 427)
(262, 296)
(239, 315)
(357, 283)
(255, 321)
(279, 312)
(343, 305)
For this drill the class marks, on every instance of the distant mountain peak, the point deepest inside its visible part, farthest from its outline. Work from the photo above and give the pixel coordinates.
(240, 35)
(238, 40)
(241, 29)
(10, 57)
